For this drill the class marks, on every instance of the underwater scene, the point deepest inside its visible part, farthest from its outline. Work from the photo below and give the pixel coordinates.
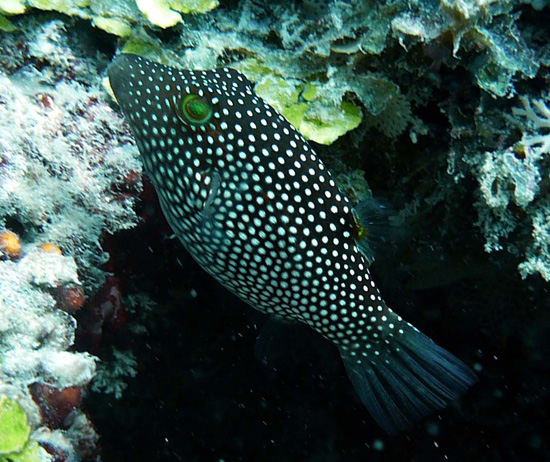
(286, 230)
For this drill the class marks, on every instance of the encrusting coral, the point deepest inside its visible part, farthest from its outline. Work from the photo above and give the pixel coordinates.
(65, 179)
(15, 445)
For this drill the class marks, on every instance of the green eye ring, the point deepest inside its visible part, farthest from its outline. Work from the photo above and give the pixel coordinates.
(195, 110)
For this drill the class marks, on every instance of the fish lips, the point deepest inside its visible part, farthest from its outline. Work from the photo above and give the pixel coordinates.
(120, 75)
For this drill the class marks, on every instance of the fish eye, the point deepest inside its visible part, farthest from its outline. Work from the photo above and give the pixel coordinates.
(195, 110)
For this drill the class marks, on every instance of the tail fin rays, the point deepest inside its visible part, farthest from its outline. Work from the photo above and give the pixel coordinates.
(414, 378)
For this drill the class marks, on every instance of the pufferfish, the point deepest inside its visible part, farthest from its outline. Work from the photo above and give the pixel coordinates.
(256, 207)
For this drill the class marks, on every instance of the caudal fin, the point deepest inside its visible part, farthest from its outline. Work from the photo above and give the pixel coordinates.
(409, 381)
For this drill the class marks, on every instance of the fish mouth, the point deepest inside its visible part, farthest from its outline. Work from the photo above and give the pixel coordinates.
(119, 73)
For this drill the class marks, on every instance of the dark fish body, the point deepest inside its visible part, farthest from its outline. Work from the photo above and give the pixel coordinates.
(255, 206)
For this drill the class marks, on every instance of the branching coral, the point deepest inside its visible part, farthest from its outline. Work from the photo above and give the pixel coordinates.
(514, 186)
(113, 373)
(537, 117)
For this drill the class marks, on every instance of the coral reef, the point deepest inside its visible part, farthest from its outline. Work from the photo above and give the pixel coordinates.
(63, 142)
(440, 109)
(514, 192)
(117, 17)
(65, 180)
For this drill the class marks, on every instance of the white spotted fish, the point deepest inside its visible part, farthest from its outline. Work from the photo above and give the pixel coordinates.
(254, 205)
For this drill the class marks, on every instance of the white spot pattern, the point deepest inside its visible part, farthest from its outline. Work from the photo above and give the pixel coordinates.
(253, 204)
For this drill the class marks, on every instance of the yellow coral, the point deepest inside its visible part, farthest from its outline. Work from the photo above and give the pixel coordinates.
(10, 245)
(51, 248)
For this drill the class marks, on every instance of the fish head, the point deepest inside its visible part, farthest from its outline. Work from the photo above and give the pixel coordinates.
(178, 113)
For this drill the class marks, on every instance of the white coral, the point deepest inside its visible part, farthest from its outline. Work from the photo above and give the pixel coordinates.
(507, 177)
(537, 115)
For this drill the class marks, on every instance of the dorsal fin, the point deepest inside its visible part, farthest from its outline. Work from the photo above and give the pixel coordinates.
(376, 227)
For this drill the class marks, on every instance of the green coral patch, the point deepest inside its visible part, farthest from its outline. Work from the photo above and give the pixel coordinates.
(15, 445)
(310, 92)
(32, 452)
(253, 69)
(336, 122)
(148, 47)
(6, 25)
(281, 92)
(14, 429)
(318, 120)
(140, 46)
